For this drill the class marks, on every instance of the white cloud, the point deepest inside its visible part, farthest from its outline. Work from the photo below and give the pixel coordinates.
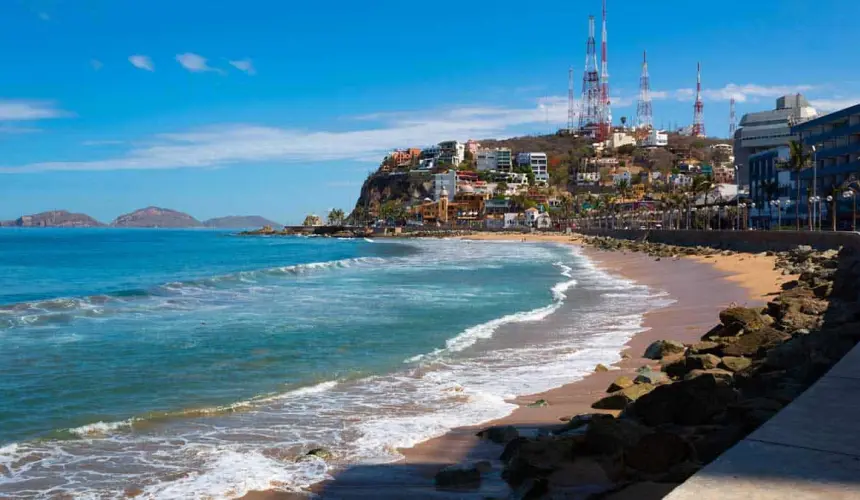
(741, 93)
(14, 110)
(834, 104)
(13, 129)
(142, 62)
(247, 143)
(195, 63)
(96, 64)
(245, 65)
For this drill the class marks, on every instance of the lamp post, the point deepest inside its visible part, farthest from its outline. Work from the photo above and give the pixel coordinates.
(852, 194)
(832, 215)
(816, 212)
(752, 205)
(776, 204)
(814, 179)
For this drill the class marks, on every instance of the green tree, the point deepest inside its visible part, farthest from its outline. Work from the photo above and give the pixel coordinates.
(335, 217)
(798, 160)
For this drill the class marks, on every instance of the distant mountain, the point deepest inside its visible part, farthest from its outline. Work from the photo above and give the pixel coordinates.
(54, 218)
(240, 222)
(156, 217)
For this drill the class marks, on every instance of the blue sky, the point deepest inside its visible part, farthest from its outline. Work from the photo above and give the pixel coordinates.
(282, 108)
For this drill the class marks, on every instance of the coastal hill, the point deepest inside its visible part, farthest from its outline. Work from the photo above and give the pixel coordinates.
(156, 217)
(53, 218)
(240, 222)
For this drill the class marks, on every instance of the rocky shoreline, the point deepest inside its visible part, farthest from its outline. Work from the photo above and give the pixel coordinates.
(694, 401)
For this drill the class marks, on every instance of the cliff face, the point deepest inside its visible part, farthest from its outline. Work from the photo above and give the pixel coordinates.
(156, 217)
(54, 218)
(240, 222)
(380, 188)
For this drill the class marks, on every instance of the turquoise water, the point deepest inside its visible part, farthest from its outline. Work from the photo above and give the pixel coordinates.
(192, 363)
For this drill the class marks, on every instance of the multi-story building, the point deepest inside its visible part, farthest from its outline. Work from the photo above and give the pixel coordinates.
(487, 160)
(656, 139)
(623, 177)
(472, 146)
(766, 130)
(538, 163)
(453, 153)
(428, 158)
(769, 183)
(835, 143)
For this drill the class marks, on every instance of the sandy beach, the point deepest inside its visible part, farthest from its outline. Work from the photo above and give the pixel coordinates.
(700, 286)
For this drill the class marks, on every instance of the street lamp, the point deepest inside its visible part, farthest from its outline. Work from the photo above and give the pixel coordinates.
(816, 212)
(752, 205)
(852, 194)
(832, 215)
(776, 203)
(814, 179)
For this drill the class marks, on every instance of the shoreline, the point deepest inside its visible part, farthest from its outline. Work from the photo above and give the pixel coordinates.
(700, 286)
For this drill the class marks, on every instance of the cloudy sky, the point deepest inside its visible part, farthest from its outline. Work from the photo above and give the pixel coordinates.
(279, 109)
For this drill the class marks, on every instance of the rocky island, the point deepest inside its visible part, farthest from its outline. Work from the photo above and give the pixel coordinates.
(153, 217)
(53, 218)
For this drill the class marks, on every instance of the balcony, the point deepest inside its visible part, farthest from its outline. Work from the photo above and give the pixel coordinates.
(837, 132)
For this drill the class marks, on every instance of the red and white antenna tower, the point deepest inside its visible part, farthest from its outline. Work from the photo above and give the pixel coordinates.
(589, 115)
(732, 119)
(571, 104)
(698, 107)
(644, 117)
(605, 107)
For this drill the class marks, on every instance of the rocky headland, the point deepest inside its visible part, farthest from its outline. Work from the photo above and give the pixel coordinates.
(693, 401)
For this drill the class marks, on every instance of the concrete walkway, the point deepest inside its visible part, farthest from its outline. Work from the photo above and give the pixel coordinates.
(809, 450)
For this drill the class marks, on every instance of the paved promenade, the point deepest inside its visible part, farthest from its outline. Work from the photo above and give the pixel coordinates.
(809, 450)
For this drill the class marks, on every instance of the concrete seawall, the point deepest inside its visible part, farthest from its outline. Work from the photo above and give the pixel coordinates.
(743, 241)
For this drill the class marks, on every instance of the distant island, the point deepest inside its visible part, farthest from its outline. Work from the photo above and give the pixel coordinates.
(149, 217)
(53, 218)
(156, 217)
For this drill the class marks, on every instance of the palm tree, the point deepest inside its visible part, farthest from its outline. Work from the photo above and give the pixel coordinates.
(798, 160)
(335, 217)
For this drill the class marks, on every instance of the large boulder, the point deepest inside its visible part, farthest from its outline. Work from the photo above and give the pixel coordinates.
(535, 458)
(620, 399)
(689, 402)
(662, 348)
(650, 376)
(706, 347)
(620, 383)
(501, 434)
(756, 343)
(736, 319)
(658, 452)
(716, 372)
(702, 362)
(610, 436)
(735, 364)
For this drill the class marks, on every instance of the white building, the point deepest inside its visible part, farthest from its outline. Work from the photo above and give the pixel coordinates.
(532, 216)
(447, 182)
(656, 139)
(618, 139)
(584, 178)
(538, 164)
(452, 152)
(429, 157)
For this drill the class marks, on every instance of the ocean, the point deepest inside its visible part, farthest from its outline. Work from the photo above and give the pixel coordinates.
(196, 363)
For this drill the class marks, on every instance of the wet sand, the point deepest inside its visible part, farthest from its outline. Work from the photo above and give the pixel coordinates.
(701, 288)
